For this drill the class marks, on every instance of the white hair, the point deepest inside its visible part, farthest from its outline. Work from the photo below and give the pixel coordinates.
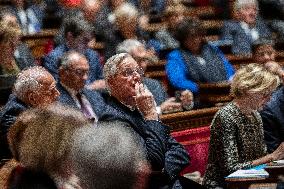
(110, 67)
(128, 45)
(242, 3)
(68, 58)
(107, 156)
(126, 11)
(29, 80)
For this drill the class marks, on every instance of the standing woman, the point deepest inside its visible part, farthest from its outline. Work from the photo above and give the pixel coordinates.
(237, 140)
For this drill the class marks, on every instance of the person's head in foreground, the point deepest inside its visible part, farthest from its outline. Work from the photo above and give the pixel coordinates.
(109, 157)
(253, 85)
(41, 140)
(35, 86)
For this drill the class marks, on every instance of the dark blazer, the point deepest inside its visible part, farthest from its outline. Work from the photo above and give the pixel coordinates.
(51, 63)
(273, 120)
(94, 97)
(232, 30)
(163, 152)
(8, 116)
(156, 88)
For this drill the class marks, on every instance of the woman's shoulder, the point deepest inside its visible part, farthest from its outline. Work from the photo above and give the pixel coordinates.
(226, 115)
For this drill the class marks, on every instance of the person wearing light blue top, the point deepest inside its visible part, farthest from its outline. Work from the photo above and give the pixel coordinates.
(196, 61)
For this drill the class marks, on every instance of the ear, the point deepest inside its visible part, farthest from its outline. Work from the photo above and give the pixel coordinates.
(69, 36)
(31, 99)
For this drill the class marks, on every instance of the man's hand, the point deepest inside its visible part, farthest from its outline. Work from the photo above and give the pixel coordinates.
(170, 105)
(186, 99)
(98, 84)
(145, 102)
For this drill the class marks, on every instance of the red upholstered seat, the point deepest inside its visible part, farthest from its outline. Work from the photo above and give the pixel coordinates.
(196, 142)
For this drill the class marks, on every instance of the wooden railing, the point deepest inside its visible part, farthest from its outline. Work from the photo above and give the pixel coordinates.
(189, 119)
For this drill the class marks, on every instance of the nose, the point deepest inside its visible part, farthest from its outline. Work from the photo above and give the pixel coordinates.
(136, 76)
(267, 56)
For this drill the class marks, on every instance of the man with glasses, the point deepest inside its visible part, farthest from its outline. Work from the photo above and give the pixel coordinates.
(134, 106)
(73, 74)
(144, 57)
(34, 87)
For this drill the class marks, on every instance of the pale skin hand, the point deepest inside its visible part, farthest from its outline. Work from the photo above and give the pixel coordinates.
(170, 105)
(145, 102)
(279, 152)
(186, 98)
(98, 84)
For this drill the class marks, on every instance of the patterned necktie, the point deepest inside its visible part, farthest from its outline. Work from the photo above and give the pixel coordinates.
(84, 108)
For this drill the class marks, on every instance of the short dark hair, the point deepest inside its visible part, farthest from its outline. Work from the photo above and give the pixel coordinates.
(76, 26)
(188, 28)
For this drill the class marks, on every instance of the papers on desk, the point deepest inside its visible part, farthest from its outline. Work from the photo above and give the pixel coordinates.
(249, 173)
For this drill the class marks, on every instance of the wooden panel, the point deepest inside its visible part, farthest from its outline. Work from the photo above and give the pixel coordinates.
(189, 119)
(37, 42)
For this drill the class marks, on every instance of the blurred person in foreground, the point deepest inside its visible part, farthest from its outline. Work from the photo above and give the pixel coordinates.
(237, 137)
(41, 141)
(109, 157)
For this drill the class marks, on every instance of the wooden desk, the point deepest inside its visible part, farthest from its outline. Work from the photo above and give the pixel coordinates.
(269, 182)
(189, 119)
(37, 42)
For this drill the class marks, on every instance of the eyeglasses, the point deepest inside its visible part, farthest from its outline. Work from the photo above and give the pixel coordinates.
(80, 73)
(130, 72)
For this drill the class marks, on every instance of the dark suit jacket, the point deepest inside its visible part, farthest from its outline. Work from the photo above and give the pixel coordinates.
(273, 120)
(156, 88)
(94, 97)
(51, 63)
(232, 30)
(8, 117)
(163, 152)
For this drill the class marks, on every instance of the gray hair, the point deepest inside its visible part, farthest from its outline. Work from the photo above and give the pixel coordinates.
(126, 10)
(28, 80)
(107, 156)
(69, 57)
(110, 67)
(128, 45)
(241, 3)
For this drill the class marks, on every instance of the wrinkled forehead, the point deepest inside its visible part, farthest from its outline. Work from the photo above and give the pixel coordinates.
(128, 62)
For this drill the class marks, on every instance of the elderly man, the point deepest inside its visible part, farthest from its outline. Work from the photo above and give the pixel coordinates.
(77, 36)
(73, 74)
(34, 87)
(143, 57)
(246, 29)
(135, 106)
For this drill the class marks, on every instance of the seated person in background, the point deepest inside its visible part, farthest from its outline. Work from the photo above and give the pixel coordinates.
(134, 105)
(196, 61)
(14, 55)
(173, 16)
(265, 54)
(34, 87)
(126, 26)
(73, 74)
(247, 27)
(237, 138)
(143, 57)
(30, 17)
(77, 36)
(103, 163)
(41, 140)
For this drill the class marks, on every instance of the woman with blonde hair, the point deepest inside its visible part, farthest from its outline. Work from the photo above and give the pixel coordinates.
(41, 141)
(237, 138)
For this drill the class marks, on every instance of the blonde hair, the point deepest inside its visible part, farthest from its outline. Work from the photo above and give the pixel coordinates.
(253, 78)
(41, 138)
(8, 31)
